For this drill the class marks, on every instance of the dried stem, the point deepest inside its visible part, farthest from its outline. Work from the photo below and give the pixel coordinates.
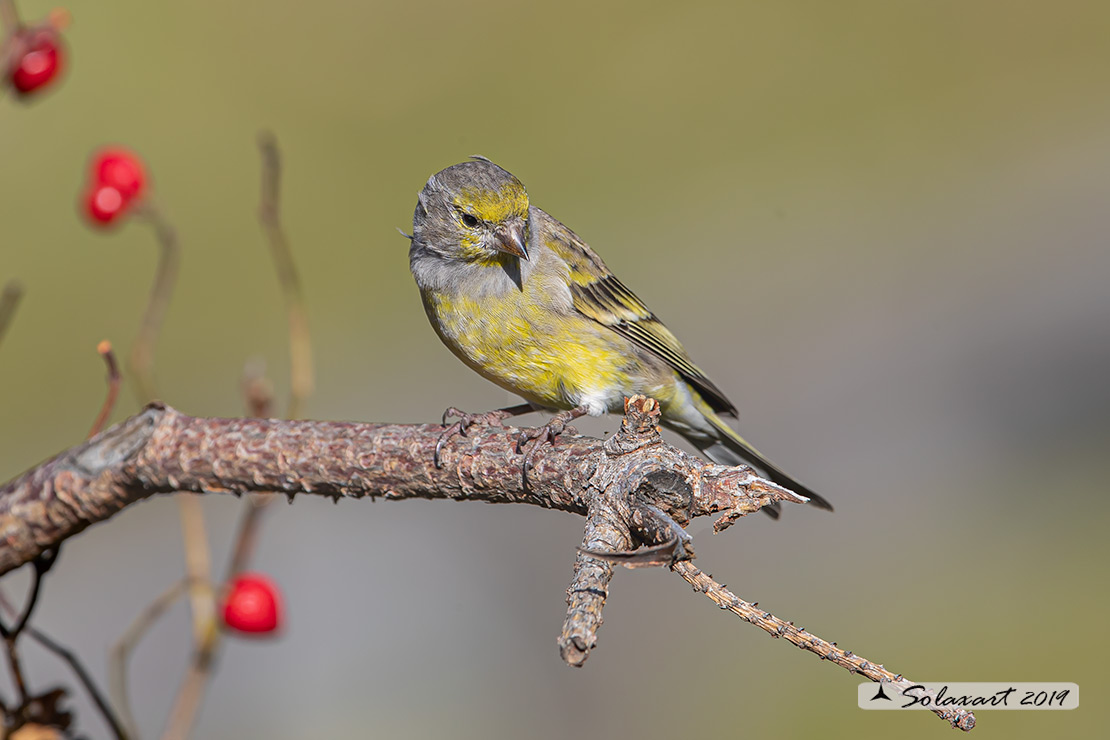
(17, 670)
(141, 360)
(9, 299)
(9, 17)
(105, 350)
(126, 644)
(300, 343)
(194, 536)
(75, 665)
(189, 697)
(11, 634)
(84, 677)
(191, 694)
(258, 391)
(42, 564)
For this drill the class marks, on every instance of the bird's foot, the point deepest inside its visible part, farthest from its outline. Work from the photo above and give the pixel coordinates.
(467, 420)
(544, 435)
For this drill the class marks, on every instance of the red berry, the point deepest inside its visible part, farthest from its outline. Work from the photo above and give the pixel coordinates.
(253, 604)
(39, 64)
(104, 204)
(120, 169)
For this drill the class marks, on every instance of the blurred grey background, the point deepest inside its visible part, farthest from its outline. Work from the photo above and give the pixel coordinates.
(880, 227)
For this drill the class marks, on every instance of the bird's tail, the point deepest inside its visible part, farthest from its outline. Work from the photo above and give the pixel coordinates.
(729, 448)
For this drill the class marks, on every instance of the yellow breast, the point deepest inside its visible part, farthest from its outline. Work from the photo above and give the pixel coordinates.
(550, 358)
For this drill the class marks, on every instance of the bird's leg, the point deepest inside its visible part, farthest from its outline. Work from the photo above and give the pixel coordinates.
(546, 434)
(489, 418)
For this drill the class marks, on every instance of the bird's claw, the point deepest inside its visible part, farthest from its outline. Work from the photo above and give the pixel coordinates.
(460, 427)
(547, 434)
(452, 411)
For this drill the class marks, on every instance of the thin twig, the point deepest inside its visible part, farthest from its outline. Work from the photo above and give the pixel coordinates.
(9, 16)
(197, 562)
(9, 301)
(259, 398)
(125, 645)
(259, 394)
(258, 391)
(11, 635)
(84, 677)
(17, 670)
(76, 666)
(191, 693)
(105, 350)
(301, 380)
(32, 599)
(247, 536)
(179, 725)
(959, 718)
(141, 360)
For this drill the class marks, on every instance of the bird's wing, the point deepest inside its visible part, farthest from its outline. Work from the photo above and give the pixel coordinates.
(599, 295)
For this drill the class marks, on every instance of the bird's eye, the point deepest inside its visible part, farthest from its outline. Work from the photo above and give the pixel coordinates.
(470, 221)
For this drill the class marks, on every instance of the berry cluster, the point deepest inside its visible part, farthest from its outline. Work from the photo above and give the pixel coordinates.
(116, 181)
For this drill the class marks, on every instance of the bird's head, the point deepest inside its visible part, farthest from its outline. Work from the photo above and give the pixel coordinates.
(473, 212)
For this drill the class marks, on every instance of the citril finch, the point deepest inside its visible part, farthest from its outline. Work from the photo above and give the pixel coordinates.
(518, 297)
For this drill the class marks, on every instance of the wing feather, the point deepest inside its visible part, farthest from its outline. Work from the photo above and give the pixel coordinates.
(599, 295)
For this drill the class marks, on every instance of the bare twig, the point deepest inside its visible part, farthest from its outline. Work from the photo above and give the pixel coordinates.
(259, 394)
(9, 301)
(105, 350)
(258, 390)
(198, 568)
(10, 635)
(17, 670)
(772, 625)
(141, 360)
(76, 666)
(191, 694)
(125, 645)
(300, 343)
(259, 397)
(189, 697)
(84, 677)
(9, 16)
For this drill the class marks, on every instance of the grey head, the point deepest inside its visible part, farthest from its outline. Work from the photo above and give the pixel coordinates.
(472, 212)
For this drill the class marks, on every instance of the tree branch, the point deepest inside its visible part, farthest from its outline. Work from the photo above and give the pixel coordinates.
(636, 492)
(161, 450)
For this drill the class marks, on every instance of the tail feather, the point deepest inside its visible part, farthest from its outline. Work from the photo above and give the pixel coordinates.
(732, 449)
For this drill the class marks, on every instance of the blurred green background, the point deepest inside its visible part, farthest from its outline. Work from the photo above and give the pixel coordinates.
(880, 227)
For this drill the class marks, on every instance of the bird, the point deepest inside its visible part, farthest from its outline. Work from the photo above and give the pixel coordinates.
(527, 304)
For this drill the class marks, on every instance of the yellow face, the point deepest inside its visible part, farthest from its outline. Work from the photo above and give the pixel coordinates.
(482, 211)
(475, 212)
(493, 206)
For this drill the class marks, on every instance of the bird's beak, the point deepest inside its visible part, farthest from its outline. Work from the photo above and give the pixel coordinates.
(509, 238)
